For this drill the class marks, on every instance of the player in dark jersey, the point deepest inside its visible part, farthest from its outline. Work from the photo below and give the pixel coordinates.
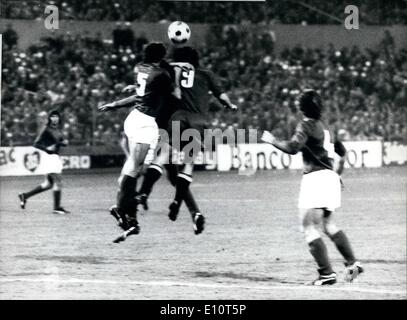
(158, 159)
(153, 86)
(192, 114)
(320, 186)
(163, 158)
(50, 140)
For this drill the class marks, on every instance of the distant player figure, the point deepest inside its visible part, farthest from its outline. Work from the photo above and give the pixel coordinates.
(153, 85)
(50, 140)
(192, 112)
(320, 192)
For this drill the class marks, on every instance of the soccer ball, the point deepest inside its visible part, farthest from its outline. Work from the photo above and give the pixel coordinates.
(179, 32)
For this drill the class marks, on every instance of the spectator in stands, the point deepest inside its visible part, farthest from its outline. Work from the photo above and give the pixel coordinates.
(10, 37)
(365, 91)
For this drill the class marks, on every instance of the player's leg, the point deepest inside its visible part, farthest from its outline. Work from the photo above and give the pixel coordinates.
(153, 174)
(196, 127)
(44, 186)
(57, 193)
(142, 134)
(317, 247)
(183, 180)
(126, 203)
(341, 241)
(189, 199)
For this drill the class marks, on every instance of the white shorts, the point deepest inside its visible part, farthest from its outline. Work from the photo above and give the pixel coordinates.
(141, 128)
(320, 189)
(53, 163)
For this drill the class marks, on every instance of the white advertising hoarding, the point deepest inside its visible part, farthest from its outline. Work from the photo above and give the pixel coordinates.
(24, 161)
(360, 154)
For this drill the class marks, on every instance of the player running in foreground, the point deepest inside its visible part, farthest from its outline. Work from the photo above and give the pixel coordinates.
(50, 140)
(320, 187)
(192, 114)
(154, 84)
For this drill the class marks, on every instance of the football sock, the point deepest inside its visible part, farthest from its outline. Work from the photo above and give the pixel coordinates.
(182, 187)
(153, 174)
(57, 199)
(343, 245)
(125, 197)
(191, 203)
(320, 254)
(172, 173)
(36, 190)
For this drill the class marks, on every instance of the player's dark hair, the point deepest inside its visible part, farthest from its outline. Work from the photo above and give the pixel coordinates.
(186, 54)
(154, 52)
(54, 112)
(311, 104)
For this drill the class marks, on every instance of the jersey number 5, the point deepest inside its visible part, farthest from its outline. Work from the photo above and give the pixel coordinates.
(141, 82)
(328, 145)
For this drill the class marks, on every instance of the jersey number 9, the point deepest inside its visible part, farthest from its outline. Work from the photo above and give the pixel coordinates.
(187, 80)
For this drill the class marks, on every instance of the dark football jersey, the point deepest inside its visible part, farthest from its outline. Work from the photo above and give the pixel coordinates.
(317, 145)
(153, 86)
(47, 138)
(168, 107)
(195, 84)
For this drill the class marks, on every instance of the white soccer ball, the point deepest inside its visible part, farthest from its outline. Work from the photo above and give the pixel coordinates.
(179, 32)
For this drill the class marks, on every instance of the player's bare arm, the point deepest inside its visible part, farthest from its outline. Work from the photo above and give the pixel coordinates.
(290, 147)
(341, 151)
(129, 88)
(177, 90)
(118, 104)
(225, 100)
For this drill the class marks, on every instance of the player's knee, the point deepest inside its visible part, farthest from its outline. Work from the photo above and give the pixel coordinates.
(49, 181)
(119, 180)
(330, 228)
(57, 182)
(57, 187)
(46, 184)
(311, 233)
(131, 169)
(306, 217)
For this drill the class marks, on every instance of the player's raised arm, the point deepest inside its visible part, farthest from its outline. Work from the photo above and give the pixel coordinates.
(126, 102)
(222, 97)
(340, 150)
(176, 87)
(225, 100)
(292, 146)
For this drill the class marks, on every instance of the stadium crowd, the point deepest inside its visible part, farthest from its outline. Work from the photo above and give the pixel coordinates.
(365, 92)
(372, 12)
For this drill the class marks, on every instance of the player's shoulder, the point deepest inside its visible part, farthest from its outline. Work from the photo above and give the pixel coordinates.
(45, 131)
(144, 66)
(153, 70)
(307, 123)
